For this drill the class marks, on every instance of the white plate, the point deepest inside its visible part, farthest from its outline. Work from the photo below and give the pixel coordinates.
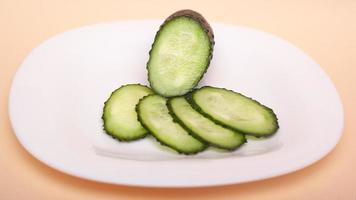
(57, 98)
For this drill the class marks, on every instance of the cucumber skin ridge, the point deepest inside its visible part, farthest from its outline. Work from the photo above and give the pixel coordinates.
(206, 27)
(196, 136)
(190, 99)
(156, 138)
(120, 139)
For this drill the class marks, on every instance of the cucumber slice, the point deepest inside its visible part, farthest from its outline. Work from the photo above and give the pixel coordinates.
(236, 111)
(180, 53)
(153, 115)
(119, 115)
(202, 127)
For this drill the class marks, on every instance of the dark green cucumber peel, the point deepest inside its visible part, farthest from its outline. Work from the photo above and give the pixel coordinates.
(190, 99)
(197, 17)
(111, 132)
(163, 143)
(196, 135)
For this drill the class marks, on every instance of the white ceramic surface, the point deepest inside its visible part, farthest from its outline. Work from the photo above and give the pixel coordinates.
(57, 97)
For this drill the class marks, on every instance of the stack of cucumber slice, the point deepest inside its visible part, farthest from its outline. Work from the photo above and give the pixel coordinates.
(173, 111)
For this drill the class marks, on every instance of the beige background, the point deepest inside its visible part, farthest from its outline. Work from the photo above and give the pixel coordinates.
(326, 30)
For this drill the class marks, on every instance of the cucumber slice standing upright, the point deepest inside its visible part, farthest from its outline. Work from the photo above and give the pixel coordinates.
(235, 110)
(202, 127)
(180, 53)
(119, 115)
(154, 116)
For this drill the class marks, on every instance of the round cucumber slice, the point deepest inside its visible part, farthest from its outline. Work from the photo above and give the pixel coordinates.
(236, 111)
(180, 53)
(202, 127)
(154, 116)
(119, 115)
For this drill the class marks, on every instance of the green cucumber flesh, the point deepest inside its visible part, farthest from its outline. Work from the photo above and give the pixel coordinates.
(180, 54)
(119, 115)
(235, 111)
(202, 127)
(154, 116)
